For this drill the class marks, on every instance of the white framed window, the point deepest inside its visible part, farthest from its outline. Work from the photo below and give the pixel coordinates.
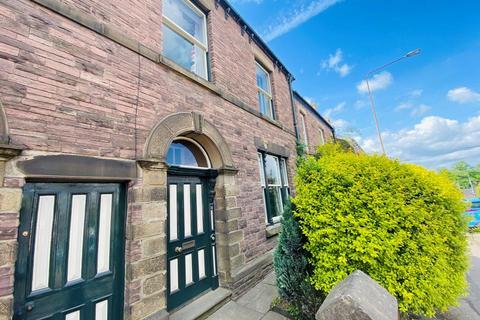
(264, 89)
(322, 136)
(185, 36)
(304, 129)
(274, 182)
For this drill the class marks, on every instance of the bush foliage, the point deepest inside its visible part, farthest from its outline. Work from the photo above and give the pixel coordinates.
(292, 270)
(401, 224)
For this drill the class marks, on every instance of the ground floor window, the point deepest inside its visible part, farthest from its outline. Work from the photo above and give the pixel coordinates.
(274, 182)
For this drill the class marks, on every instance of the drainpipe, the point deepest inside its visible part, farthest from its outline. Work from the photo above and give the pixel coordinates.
(294, 112)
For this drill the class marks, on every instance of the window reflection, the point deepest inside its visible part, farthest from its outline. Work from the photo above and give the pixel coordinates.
(186, 153)
(184, 36)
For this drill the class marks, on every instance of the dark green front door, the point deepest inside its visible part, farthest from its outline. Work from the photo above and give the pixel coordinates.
(71, 252)
(191, 263)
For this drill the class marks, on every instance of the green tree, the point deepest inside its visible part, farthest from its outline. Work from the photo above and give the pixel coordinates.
(401, 224)
(293, 271)
(463, 174)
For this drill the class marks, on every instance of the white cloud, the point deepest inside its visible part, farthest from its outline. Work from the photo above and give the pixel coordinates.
(377, 82)
(337, 109)
(340, 124)
(463, 95)
(334, 62)
(416, 93)
(360, 104)
(433, 142)
(416, 110)
(420, 110)
(296, 16)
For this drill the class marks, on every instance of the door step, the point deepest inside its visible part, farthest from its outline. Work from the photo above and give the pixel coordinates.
(203, 306)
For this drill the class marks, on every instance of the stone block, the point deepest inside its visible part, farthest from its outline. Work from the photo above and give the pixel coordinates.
(146, 267)
(7, 252)
(153, 246)
(147, 306)
(235, 236)
(154, 284)
(358, 297)
(154, 211)
(154, 177)
(6, 307)
(142, 231)
(237, 262)
(10, 199)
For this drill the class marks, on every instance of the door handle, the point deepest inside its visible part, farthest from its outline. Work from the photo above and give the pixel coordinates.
(178, 249)
(29, 306)
(212, 237)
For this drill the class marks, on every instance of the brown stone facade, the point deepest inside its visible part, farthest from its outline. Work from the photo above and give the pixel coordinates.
(85, 94)
(315, 124)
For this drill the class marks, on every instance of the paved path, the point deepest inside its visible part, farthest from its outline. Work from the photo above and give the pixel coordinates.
(253, 305)
(469, 308)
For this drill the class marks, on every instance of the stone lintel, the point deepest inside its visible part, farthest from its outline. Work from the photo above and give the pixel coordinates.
(272, 148)
(75, 167)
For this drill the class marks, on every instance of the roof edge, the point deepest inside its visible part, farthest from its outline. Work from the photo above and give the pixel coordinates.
(230, 11)
(314, 110)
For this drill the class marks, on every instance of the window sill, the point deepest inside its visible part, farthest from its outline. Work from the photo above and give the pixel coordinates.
(118, 36)
(273, 230)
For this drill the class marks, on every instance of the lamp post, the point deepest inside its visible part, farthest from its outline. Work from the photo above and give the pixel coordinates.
(372, 102)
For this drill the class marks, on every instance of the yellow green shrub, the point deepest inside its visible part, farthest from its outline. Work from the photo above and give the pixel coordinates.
(401, 224)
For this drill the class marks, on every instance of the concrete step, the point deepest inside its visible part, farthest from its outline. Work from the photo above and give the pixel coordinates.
(203, 306)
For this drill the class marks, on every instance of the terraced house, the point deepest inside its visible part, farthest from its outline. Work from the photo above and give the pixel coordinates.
(147, 149)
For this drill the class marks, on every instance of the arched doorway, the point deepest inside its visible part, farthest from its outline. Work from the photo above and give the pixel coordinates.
(191, 251)
(194, 153)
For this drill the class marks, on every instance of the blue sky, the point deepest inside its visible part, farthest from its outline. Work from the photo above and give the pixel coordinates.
(428, 105)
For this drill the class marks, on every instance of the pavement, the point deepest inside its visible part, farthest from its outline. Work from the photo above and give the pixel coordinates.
(469, 308)
(253, 305)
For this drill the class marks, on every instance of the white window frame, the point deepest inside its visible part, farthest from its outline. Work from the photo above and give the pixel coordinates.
(304, 128)
(282, 173)
(262, 91)
(187, 36)
(322, 136)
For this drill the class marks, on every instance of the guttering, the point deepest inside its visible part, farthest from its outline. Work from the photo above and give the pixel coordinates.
(294, 111)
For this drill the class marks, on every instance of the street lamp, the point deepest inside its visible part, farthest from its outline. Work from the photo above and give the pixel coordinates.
(367, 76)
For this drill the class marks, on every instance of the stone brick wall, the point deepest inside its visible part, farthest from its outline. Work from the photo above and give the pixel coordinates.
(313, 125)
(10, 202)
(67, 89)
(138, 19)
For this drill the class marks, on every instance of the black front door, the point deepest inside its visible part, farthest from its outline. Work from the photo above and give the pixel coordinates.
(191, 236)
(71, 252)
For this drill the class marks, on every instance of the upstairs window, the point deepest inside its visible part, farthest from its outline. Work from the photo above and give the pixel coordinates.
(303, 123)
(264, 89)
(274, 182)
(322, 136)
(185, 36)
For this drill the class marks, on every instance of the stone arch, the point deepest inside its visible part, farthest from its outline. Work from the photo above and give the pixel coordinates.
(3, 126)
(192, 125)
